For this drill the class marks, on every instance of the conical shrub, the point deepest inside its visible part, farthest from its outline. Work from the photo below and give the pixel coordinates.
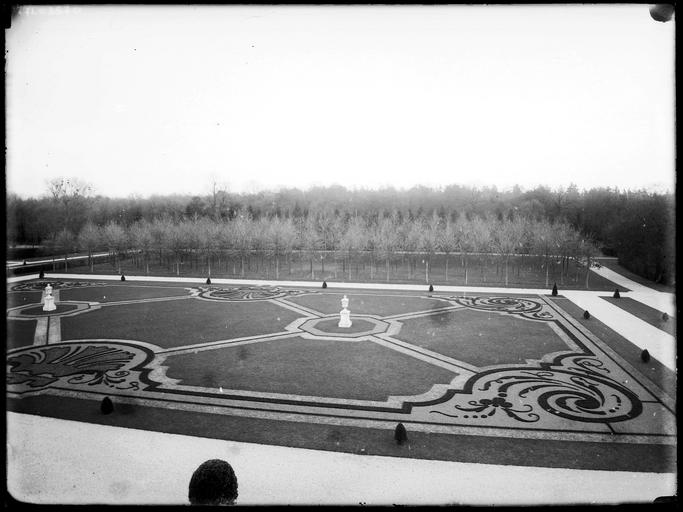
(41, 275)
(554, 292)
(400, 434)
(586, 315)
(106, 407)
(616, 294)
(431, 288)
(123, 278)
(324, 284)
(665, 316)
(645, 356)
(208, 280)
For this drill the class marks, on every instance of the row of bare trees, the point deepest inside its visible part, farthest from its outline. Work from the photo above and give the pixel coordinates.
(344, 240)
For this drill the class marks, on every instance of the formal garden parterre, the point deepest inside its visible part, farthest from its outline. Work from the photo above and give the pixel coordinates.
(490, 373)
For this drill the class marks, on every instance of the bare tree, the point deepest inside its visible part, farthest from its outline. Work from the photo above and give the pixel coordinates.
(353, 241)
(448, 241)
(588, 250)
(482, 240)
(429, 240)
(309, 240)
(115, 238)
(142, 240)
(508, 237)
(544, 238)
(90, 238)
(387, 239)
(243, 236)
(208, 237)
(277, 232)
(67, 242)
(68, 193)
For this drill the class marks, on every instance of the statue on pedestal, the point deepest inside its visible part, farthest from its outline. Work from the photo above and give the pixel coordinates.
(344, 314)
(49, 300)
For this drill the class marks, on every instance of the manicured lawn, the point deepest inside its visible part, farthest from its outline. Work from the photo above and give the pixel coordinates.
(113, 293)
(482, 338)
(332, 326)
(15, 299)
(38, 310)
(340, 369)
(650, 315)
(179, 322)
(366, 304)
(20, 333)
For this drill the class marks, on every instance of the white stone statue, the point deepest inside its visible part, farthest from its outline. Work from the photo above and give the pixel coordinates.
(49, 301)
(345, 314)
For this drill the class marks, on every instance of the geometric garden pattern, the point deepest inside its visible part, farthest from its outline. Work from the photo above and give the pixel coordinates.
(574, 387)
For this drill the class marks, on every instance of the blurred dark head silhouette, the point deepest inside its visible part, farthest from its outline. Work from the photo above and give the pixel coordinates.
(213, 483)
(662, 12)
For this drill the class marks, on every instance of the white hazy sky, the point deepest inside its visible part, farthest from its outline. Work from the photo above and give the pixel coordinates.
(158, 100)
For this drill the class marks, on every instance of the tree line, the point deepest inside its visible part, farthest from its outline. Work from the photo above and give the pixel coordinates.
(345, 240)
(638, 227)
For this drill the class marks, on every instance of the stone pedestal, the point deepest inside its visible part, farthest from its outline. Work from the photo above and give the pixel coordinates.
(49, 303)
(344, 314)
(48, 299)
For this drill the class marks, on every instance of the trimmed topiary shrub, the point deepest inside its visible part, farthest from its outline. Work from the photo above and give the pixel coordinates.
(616, 294)
(400, 434)
(324, 284)
(431, 288)
(586, 315)
(41, 275)
(213, 483)
(208, 280)
(665, 317)
(645, 356)
(554, 292)
(106, 407)
(123, 278)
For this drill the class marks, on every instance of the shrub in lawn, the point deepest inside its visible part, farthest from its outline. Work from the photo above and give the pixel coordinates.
(665, 317)
(554, 292)
(123, 278)
(616, 294)
(645, 356)
(208, 280)
(324, 284)
(213, 483)
(42, 275)
(106, 407)
(400, 434)
(586, 315)
(431, 288)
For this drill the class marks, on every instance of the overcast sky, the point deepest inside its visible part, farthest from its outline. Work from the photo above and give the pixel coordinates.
(159, 100)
